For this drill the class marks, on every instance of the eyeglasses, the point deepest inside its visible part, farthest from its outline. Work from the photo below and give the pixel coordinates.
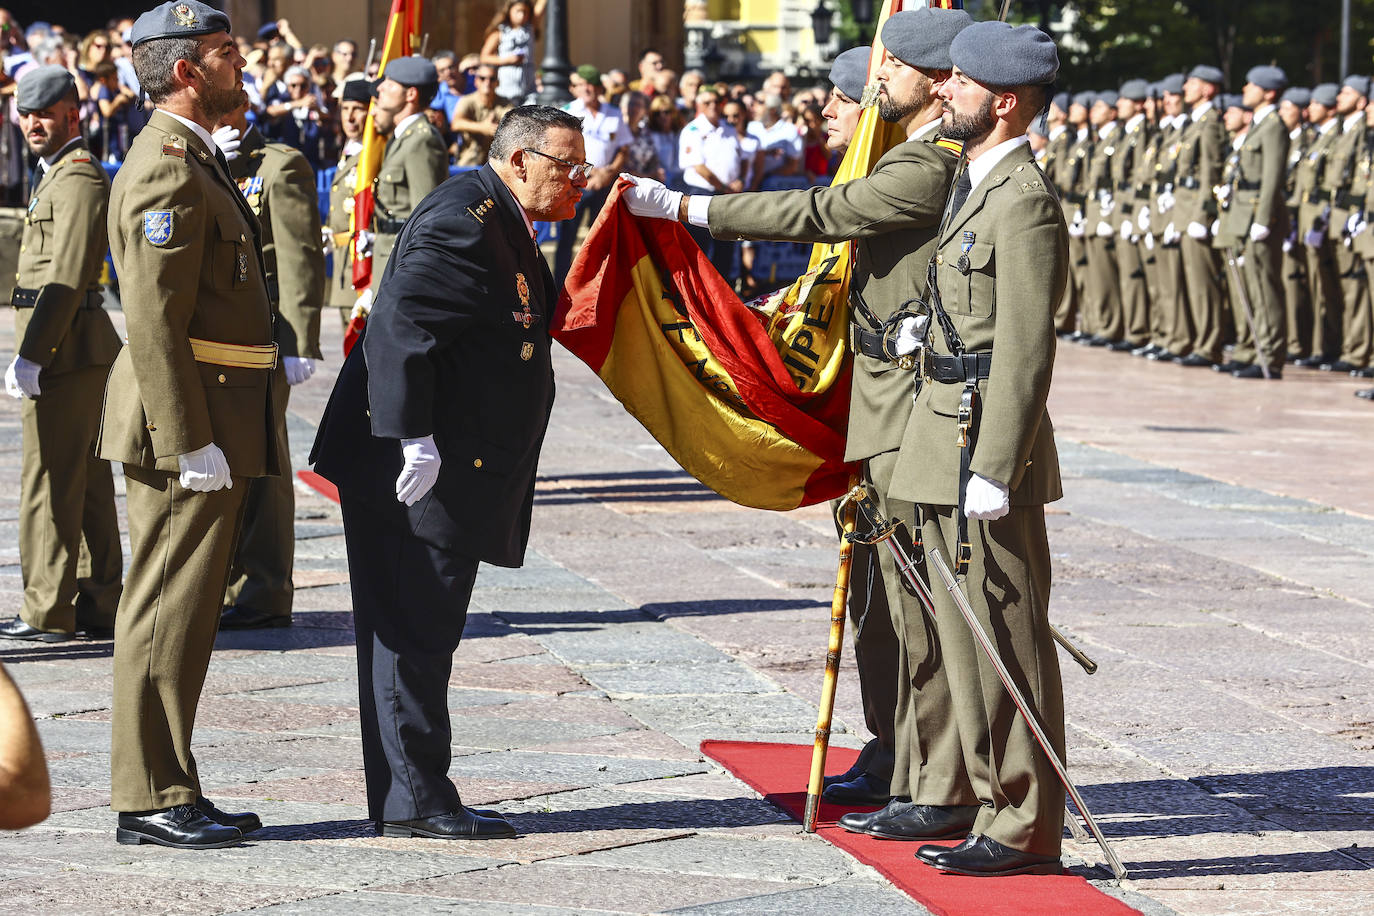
(576, 170)
(481, 79)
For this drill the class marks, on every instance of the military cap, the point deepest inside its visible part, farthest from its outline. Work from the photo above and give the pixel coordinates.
(849, 72)
(43, 86)
(1156, 90)
(1135, 90)
(1062, 101)
(1107, 97)
(997, 53)
(268, 31)
(1085, 99)
(178, 19)
(1230, 100)
(922, 37)
(1325, 94)
(358, 89)
(1268, 78)
(1037, 128)
(1207, 73)
(1172, 84)
(1359, 83)
(410, 71)
(1297, 95)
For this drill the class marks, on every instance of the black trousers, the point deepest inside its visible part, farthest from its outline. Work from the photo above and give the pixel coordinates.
(410, 601)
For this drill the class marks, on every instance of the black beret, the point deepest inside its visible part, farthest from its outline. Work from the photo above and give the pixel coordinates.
(1207, 73)
(411, 71)
(849, 72)
(1172, 84)
(997, 53)
(178, 19)
(1359, 83)
(358, 89)
(43, 86)
(1135, 90)
(921, 37)
(1325, 94)
(1268, 78)
(1298, 96)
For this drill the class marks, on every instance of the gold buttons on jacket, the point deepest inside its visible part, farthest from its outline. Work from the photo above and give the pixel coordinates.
(939, 259)
(152, 428)
(477, 462)
(222, 379)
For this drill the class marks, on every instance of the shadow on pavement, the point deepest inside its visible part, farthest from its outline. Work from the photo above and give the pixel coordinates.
(679, 486)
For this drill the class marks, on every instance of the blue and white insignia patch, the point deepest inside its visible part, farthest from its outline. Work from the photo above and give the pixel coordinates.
(33, 202)
(157, 226)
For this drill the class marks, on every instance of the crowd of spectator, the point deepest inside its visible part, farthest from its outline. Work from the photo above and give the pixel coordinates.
(716, 138)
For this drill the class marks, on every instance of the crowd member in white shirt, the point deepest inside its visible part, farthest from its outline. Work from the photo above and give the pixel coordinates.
(751, 154)
(778, 137)
(712, 162)
(606, 135)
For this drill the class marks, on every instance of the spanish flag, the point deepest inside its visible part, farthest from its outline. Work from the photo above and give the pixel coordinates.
(752, 399)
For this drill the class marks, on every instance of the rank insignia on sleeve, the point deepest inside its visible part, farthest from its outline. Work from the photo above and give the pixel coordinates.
(157, 226)
(527, 351)
(481, 209)
(174, 147)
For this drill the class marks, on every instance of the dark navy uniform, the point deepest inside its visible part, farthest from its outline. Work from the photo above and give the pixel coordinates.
(457, 347)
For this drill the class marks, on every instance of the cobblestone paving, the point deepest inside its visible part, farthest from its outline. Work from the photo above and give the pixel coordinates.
(1224, 744)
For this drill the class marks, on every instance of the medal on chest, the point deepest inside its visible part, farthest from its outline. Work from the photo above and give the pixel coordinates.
(524, 316)
(251, 188)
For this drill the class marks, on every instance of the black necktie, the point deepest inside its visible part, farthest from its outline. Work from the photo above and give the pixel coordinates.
(223, 163)
(962, 187)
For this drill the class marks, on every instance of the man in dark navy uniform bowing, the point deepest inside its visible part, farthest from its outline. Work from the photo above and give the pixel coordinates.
(432, 435)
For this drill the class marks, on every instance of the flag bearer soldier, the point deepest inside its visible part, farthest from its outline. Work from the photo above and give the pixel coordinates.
(186, 412)
(893, 215)
(1127, 171)
(1202, 150)
(1174, 339)
(1298, 304)
(983, 480)
(416, 158)
(1102, 291)
(1339, 182)
(1071, 181)
(279, 186)
(1257, 212)
(353, 104)
(65, 344)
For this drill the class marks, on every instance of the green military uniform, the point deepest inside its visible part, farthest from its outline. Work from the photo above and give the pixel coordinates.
(1146, 174)
(1338, 181)
(1102, 289)
(279, 186)
(1258, 199)
(1296, 296)
(1171, 302)
(1358, 324)
(1127, 170)
(1314, 232)
(1001, 267)
(195, 372)
(1229, 242)
(1068, 171)
(1201, 152)
(415, 162)
(892, 215)
(341, 292)
(1363, 246)
(67, 494)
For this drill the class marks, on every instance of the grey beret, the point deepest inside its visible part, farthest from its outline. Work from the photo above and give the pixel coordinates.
(178, 19)
(997, 53)
(1061, 101)
(1156, 90)
(1359, 83)
(1085, 99)
(411, 71)
(1135, 90)
(1208, 74)
(1298, 96)
(849, 72)
(1325, 94)
(1107, 97)
(43, 86)
(921, 38)
(1230, 100)
(1172, 84)
(1036, 129)
(1269, 78)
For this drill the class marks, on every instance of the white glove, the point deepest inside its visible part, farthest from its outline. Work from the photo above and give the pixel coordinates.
(363, 307)
(298, 368)
(1287, 245)
(651, 198)
(1165, 200)
(21, 378)
(1170, 234)
(421, 469)
(1216, 227)
(1143, 220)
(1106, 203)
(365, 240)
(1077, 229)
(227, 139)
(1356, 224)
(205, 470)
(1126, 228)
(910, 331)
(986, 500)
(1258, 232)
(1197, 231)
(1149, 241)
(1104, 229)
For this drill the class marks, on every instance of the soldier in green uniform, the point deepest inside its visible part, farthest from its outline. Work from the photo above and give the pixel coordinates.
(279, 186)
(1229, 236)
(1063, 164)
(1071, 181)
(1102, 289)
(187, 408)
(892, 215)
(981, 475)
(1362, 242)
(1201, 152)
(416, 158)
(1298, 304)
(1339, 181)
(1314, 224)
(1173, 334)
(354, 99)
(1127, 168)
(65, 344)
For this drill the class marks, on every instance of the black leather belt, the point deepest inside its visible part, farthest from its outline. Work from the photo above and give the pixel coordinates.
(1318, 196)
(867, 342)
(955, 369)
(1124, 185)
(1189, 182)
(27, 298)
(1348, 201)
(1073, 198)
(273, 290)
(389, 226)
(1247, 185)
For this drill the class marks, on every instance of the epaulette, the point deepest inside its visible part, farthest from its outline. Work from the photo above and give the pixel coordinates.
(953, 146)
(1031, 183)
(173, 147)
(479, 209)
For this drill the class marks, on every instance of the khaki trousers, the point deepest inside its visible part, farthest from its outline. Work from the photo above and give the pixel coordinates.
(1263, 272)
(1102, 290)
(1324, 283)
(1202, 270)
(1172, 304)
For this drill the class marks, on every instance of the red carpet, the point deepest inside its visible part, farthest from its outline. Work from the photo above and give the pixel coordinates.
(779, 772)
(316, 482)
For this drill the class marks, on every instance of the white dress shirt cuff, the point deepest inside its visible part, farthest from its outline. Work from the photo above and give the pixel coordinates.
(697, 205)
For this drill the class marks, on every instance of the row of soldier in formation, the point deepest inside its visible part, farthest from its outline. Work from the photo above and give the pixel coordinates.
(1214, 230)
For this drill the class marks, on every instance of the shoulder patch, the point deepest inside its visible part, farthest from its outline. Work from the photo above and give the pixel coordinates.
(479, 209)
(951, 145)
(157, 226)
(174, 147)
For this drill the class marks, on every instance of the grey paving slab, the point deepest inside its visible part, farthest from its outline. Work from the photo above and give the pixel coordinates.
(772, 859)
(407, 905)
(851, 896)
(692, 679)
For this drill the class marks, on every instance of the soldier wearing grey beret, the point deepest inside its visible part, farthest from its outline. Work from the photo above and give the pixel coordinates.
(1172, 84)
(1085, 99)
(43, 87)
(1108, 98)
(849, 72)
(1359, 83)
(1297, 95)
(921, 38)
(1208, 74)
(1135, 90)
(178, 19)
(1325, 94)
(1270, 79)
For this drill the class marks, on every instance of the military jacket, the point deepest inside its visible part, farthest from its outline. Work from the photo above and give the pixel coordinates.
(1128, 171)
(60, 256)
(892, 215)
(1310, 176)
(341, 191)
(1201, 152)
(1340, 168)
(1002, 263)
(413, 164)
(1099, 186)
(1069, 172)
(186, 248)
(277, 182)
(1161, 168)
(1297, 151)
(1258, 186)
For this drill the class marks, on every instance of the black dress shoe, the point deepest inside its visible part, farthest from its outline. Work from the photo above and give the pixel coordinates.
(864, 789)
(928, 854)
(463, 824)
(1339, 365)
(181, 827)
(904, 820)
(1195, 361)
(1258, 372)
(238, 617)
(1366, 372)
(1144, 350)
(1311, 362)
(1366, 393)
(987, 858)
(246, 822)
(1162, 356)
(1097, 340)
(1120, 346)
(1230, 366)
(18, 629)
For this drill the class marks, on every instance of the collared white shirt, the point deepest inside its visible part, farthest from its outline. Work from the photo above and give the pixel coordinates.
(1056, 131)
(400, 128)
(1082, 134)
(979, 168)
(1353, 119)
(925, 130)
(196, 129)
(1261, 113)
(529, 226)
(1106, 130)
(604, 131)
(46, 163)
(717, 148)
(1327, 126)
(1135, 119)
(779, 143)
(1200, 109)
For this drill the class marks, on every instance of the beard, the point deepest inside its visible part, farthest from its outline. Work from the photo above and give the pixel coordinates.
(215, 103)
(972, 127)
(891, 110)
(49, 144)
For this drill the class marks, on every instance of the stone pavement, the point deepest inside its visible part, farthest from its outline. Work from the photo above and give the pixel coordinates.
(1224, 744)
